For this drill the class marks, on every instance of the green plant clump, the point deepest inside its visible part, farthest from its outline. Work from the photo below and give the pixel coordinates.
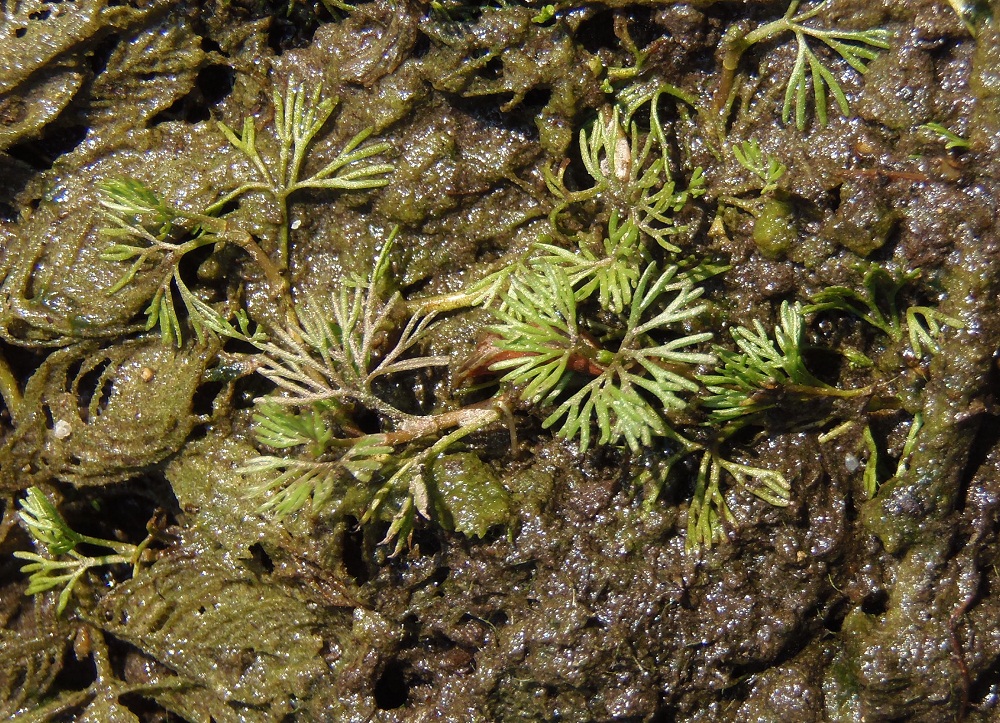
(605, 328)
(599, 335)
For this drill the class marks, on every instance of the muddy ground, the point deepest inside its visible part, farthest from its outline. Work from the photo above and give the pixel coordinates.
(579, 598)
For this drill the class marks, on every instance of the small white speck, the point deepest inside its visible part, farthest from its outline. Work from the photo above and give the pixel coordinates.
(851, 462)
(62, 429)
(296, 224)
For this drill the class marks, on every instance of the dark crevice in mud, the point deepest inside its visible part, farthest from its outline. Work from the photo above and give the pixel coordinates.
(427, 541)
(146, 709)
(833, 621)
(292, 30)
(75, 674)
(215, 83)
(353, 553)
(981, 452)
(985, 690)
(421, 46)
(875, 604)
(23, 362)
(666, 714)
(212, 85)
(8, 211)
(55, 141)
(211, 46)
(126, 510)
(597, 32)
(102, 52)
(392, 688)
(261, 562)
(93, 389)
(203, 402)
(493, 70)
(489, 113)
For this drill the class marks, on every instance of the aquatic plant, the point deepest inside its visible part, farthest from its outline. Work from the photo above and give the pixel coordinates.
(856, 47)
(49, 529)
(155, 235)
(877, 304)
(538, 331)
(299, 116)
(591, 330)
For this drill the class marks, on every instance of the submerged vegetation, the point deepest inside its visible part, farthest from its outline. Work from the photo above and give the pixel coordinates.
(642, 302)
(592, 335)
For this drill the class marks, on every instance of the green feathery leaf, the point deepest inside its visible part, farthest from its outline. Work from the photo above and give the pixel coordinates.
(877, 304)
(625, 381)
(46, 524)
(749, 381)
(49, 528)
(951, 139)
(856, 47)
(766, 167)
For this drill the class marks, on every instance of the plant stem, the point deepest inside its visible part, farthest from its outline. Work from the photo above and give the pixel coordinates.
(10, 391)
(275, 279)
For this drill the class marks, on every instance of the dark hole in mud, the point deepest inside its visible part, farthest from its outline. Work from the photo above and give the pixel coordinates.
(834, 618)
(210, 46)
(145, 709)
(203, 402)
(986, 439)
(352, 552)
(832, 199)
(247, 389)
(488, 111)
(22, 362)
(124, 512)
(260, 560)
(746, 674)
(666, 714)
(598, 32)
(641, 27)
(101, 53)
(20, 32)
(199, 431)
(391, 689)
(493, 70)
(91, 385)
(75, 674)
(212, 85)
(291, 30)
(876, 603)
(985, 690)
(536, 99)
(215, 83)
(440, 575)
(824, 365)
(426, 539)
(484, 108)
(228, 207)
(188, 269)
(421, 46)
(55, 141)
